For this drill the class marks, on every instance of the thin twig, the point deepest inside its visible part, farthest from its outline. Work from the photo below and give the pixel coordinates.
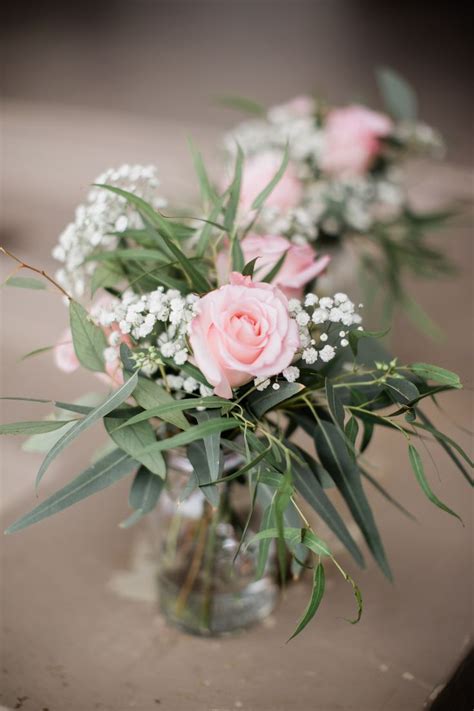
(41, 272)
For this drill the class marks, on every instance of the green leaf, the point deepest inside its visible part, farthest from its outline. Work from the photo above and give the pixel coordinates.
(200, 431)
(317, 594)
(160, 411)
(211, 443)
(336, 408)
(268, 189)
(332, 451)
(398, 95)
(241, 103)
(88, 339)
(234, 193)
(149, 395)
(352, 429)
(434, 372)
(401, 390)
(102, 410)
(144, 494)
(133, 440)
(25, 283)
(443, 442)
(294, 536)
(237, 255)
(165, 233)
(311, 490)
(207, 191)
(103, 473)
(37, 351)
(30, 428)
(206, 231)
(261, 402)
(249, 268)
(139, 254)
(197, 455)
(417, 466)
(106, 275)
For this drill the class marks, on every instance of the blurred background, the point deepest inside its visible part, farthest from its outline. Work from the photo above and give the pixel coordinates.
(90, 85)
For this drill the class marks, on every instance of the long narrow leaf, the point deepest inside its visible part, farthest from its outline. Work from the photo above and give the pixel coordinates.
(102, 410)
(111, 468)
(317, 594)
(417, 466)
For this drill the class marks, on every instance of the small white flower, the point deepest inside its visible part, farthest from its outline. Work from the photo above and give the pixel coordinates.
(181, 357)
(326, 302)
(261, 383)
(291, 373)
(311, 300)
(276, 386)
(344, 342)
(294, 306)
(310, 355)
(323, 337)
(320, 315)
(327, 353)
(302, 318)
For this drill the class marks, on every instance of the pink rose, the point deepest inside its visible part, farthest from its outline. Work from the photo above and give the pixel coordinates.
(299, 267)
(352, 140)
(258, 171)
(242, 331)
(64, 354)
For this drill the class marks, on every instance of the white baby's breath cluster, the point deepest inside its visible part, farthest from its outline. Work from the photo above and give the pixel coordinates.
(95, 221)
(330, 205)
(319, 320)
(158, 320)
(323, 319)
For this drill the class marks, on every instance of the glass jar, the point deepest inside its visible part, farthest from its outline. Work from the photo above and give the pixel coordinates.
(207, 580)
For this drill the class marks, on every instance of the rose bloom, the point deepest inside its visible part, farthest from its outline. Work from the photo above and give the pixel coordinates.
(258, 171)
(298, 269)
(243, 331)
(352, 140)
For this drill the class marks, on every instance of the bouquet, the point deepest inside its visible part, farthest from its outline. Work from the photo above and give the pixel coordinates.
(208, 350)
(343, 187)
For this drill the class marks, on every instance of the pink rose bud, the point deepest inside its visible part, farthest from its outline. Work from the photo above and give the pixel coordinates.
(64, 354)
(299, 267)
(242, 331)
(352, 140)
(258, 171)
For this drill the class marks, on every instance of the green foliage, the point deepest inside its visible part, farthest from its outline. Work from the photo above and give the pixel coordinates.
(133, 440)
(417, 466)
(30, 428)
(144, 494)
(399, 97)
(88, 339)
(317, 594)
(103, 473)
(80, 426)
(268, 189)
(25, 283)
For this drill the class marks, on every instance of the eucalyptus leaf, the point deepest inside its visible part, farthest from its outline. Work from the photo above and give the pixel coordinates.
(102, 410)
(26, 283)
(417, 466)
(398, 95)
(149, 395)
(262, 401)
(144, 494)
(88, 339)
(133, 440)
(30, 428)
(103, 473)
(317, 594)
(434, 372)
(332, 451)
(197, 455)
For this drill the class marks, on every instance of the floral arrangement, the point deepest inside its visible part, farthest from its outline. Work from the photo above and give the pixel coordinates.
(217, 349)
(343, 186)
